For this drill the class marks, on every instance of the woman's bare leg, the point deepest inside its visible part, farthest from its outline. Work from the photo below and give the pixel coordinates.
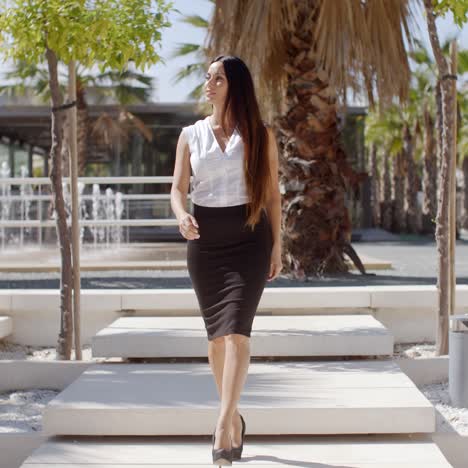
(216, 356)
(236, 364)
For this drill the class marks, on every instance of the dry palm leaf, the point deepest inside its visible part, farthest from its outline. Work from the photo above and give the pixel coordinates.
(359, 44)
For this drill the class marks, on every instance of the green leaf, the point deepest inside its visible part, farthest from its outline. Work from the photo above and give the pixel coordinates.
(106, 31)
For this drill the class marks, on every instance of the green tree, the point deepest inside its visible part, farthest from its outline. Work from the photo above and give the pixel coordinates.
(429, 96)
(106, 33)
(384, 130)
(459, 10)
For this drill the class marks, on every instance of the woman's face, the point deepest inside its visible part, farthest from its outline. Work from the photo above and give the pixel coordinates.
(216, 85)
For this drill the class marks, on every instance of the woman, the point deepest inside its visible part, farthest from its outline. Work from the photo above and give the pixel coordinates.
(233, 236)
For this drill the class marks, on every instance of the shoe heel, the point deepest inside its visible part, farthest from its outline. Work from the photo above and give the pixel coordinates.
(221, 456)
(237, 451)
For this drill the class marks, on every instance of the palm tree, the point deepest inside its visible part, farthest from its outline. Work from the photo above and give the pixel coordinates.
(382, 135)
(386, 214)
(307, 56)
(447, 74)
(375, 185)
(407, 121)
(398, 191)
(393, 132)
(396, 131)
(429, 86)
(125, 87)
(411, 130)
(114, 133)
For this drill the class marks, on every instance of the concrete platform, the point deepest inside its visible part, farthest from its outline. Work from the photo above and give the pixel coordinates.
(325, 397)
(318, 335)
(405, 311)
(402, 451)
(370, 263)
(6, 326)
(173, 265)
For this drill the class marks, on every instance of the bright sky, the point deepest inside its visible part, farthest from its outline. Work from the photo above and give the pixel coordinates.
(167, 91)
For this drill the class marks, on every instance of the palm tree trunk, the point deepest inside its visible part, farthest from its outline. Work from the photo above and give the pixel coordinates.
(375, 189)
(399, 217)
(429, 174)
(64, 344)
(413, 213)
(314, 172)
(386, 196)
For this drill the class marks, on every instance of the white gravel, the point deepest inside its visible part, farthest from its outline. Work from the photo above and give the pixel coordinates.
(9, 350)
(449, 418)
(21, 411)
(414, 350)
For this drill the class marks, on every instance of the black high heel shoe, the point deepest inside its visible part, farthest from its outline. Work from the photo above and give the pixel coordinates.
(221, 456)
(237, 451)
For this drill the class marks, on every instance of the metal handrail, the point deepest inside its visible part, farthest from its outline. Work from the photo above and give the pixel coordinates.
(90, 180)
(40, 181)
(159, 196)
(93, 222)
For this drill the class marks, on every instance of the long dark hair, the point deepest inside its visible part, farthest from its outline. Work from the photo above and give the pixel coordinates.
(241, 104)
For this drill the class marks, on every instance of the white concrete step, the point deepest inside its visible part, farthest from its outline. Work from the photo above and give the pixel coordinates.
(391, 451)
(318, 335)
(6, 326)
(314, 397)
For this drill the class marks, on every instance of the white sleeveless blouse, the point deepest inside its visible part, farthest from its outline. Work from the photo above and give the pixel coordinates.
(218, 177)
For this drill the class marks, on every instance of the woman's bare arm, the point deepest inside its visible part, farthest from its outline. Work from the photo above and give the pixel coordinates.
(274, 199)
(181, 177)
(180, 185)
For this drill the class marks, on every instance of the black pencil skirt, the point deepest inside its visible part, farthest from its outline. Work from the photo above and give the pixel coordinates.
(228, 266)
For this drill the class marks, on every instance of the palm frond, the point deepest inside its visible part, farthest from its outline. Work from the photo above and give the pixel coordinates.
(128, 120)
(115, 76)
(185, 49)
(195, 20)
(360, 45)
(27, 77)
(124, 86)
(126, 95)
(237, 25)
(196, 69)
(191, 70)
(196, 93)
(107, 130)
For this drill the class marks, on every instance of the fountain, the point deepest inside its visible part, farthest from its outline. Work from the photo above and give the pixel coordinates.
(5, 201)
(97, 206)
(29, 234)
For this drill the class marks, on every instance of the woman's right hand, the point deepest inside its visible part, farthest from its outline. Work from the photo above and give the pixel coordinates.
(188, 226)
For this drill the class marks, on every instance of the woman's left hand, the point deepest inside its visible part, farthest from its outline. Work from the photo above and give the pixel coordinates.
(276, 265)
